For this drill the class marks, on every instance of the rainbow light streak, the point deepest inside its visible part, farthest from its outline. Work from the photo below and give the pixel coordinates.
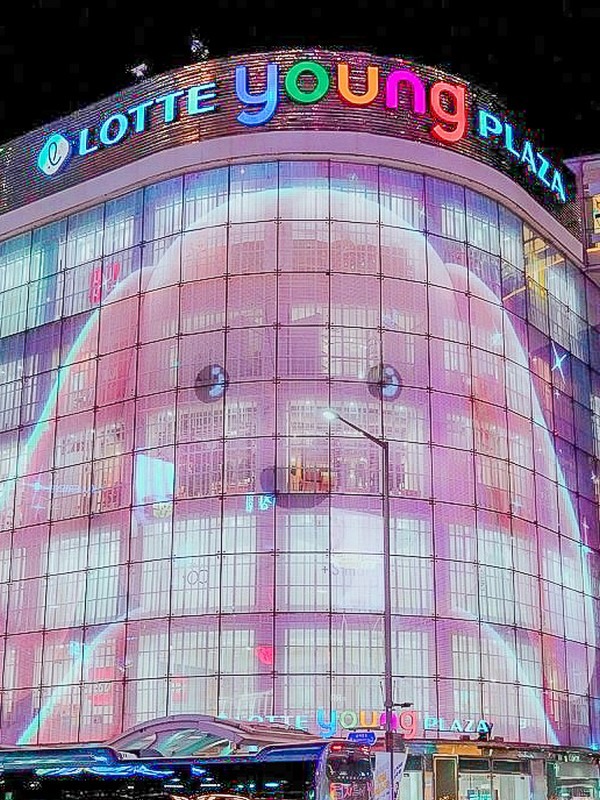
(82, 660)
(46, 419)
(564, 495)
(530, 691)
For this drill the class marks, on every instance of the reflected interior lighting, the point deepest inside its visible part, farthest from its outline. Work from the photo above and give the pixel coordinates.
(20, 760)
(154, 479)
(330, 414)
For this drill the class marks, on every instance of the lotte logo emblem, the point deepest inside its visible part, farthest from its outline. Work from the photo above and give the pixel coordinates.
(54, 154)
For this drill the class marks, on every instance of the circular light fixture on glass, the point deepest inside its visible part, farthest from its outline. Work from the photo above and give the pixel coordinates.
(211, 383)
(384, 382)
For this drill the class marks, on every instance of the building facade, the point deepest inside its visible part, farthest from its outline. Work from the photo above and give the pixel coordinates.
(190, 274)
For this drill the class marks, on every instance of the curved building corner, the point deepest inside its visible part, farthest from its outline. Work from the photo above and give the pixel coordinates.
(191, 273)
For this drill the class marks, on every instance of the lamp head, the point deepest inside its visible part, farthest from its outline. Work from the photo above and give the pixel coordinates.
(330, 414)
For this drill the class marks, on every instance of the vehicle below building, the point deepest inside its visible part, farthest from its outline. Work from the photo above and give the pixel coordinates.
(223, 761)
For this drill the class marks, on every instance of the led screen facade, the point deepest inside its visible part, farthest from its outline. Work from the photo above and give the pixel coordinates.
(183, 530)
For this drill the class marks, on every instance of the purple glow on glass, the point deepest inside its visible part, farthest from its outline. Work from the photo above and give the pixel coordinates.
(220, 549)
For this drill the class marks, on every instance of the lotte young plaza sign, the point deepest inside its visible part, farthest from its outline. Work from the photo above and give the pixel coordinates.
(253, 96)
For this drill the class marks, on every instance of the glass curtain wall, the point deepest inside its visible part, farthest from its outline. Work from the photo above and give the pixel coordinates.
(181, 530)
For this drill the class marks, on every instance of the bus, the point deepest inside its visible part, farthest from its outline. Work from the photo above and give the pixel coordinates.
(310, 770)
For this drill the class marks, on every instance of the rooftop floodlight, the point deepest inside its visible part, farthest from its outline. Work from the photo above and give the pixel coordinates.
(330, 414)
(139, 70)
(198, 48)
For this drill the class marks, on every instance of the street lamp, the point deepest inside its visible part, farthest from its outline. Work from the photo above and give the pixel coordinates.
(388, 702)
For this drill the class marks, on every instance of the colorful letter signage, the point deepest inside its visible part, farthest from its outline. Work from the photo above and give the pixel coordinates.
(444, 107)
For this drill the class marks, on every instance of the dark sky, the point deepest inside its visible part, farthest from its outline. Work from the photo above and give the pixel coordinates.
(541, 59)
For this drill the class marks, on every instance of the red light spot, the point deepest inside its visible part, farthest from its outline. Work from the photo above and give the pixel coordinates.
(264, 653)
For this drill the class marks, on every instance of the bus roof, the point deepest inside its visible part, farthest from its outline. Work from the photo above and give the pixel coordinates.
(27, 759)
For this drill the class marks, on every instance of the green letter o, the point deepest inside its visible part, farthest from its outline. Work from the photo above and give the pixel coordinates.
(321, 77)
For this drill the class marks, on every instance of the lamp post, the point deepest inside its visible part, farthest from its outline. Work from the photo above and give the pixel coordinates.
(388, 701)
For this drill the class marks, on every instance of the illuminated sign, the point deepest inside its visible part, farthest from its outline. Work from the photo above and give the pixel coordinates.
(489, 125)
(261, 502)
(450, 123)
(362, 737)
(440, 107)
(408, 723)
(54, 154)
(478, 794)
(114, 128)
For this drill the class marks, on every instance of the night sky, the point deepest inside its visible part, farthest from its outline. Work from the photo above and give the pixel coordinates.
(541, 59)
